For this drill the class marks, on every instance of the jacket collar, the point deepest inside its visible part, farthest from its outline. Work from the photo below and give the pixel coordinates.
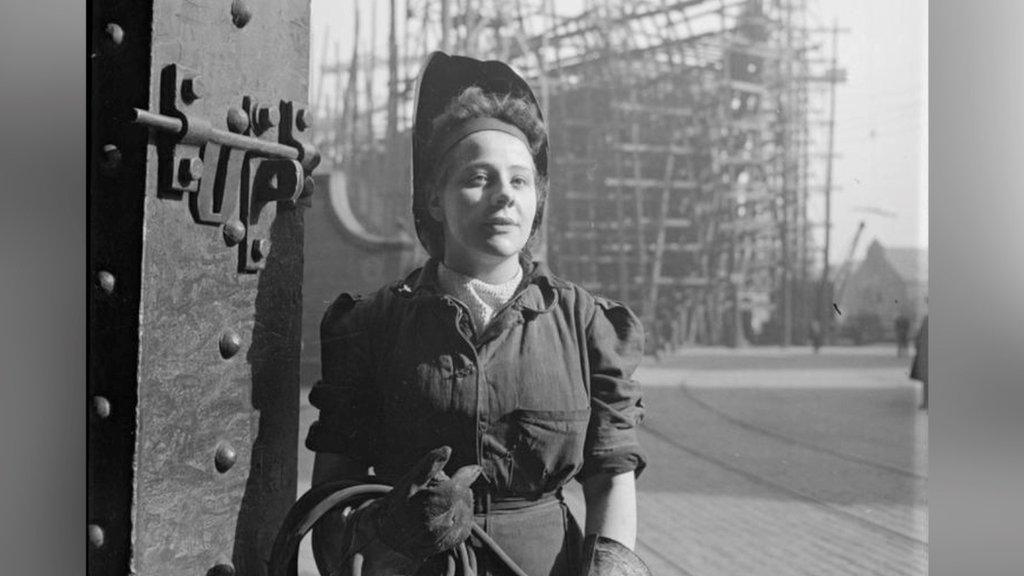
(538, 291)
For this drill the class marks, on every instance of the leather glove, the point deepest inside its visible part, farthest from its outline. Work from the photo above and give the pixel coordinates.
(425, 514)
(606, 557)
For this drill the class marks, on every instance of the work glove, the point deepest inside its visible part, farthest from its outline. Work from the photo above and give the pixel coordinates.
(606, 557)
(426, 513)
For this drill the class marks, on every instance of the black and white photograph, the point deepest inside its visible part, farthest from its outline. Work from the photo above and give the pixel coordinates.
(508, 288)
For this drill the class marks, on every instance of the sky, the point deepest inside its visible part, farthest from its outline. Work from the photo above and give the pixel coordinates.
(881, 122)
(880, 173)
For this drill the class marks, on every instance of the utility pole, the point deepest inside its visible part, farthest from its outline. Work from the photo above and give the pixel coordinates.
(371, 73)
(824, 319)
(446, 24)
(788, 108)
(392, 119)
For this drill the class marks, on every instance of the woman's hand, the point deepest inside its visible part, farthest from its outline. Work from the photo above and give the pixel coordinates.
(427, 512)
(611, 506)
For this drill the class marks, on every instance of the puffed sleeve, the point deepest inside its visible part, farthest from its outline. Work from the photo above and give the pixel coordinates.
(345, 396)
(615, 344)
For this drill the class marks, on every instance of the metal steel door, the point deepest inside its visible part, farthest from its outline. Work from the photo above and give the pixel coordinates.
(198, 160)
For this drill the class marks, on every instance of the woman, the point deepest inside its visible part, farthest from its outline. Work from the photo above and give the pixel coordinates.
(482, 350)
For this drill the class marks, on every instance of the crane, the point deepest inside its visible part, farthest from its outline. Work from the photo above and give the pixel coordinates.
(843, 272)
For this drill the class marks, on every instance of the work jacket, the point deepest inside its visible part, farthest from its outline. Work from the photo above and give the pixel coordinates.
(543, 395)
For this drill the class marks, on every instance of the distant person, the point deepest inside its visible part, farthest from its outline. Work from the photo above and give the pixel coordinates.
(816, 335)
(902, 335)
(919, 369)
(665, 341)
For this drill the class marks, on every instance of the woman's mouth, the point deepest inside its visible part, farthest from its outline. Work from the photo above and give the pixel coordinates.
(500, 221)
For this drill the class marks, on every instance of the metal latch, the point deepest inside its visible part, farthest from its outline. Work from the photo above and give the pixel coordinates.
(231, 175)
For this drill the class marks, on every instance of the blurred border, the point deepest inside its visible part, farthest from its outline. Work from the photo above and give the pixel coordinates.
(977, 151)
(43, 60)
(977, 322)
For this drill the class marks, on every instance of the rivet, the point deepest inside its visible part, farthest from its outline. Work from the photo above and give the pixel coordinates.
(225, 457)
(192, 89)
(96, 536)
(240, 13)
(234, 232)
(238, 121)
(302, 119)
(111, 158)
(101, 407)
(190, 170)
(106, 281)
(221, 569)
(260, 249)
(230, 342)
(115, 33)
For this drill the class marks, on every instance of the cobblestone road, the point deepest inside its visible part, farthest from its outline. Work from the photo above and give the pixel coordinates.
(775, 462)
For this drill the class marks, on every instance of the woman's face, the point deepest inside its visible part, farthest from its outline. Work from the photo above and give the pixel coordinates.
(487, 201)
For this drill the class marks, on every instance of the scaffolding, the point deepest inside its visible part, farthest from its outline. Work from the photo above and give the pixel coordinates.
(682, 148)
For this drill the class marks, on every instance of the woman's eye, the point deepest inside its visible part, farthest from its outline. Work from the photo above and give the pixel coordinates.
(477, 180)
(519, 182)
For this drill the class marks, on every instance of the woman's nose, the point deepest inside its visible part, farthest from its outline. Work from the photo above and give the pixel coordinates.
(502, 194)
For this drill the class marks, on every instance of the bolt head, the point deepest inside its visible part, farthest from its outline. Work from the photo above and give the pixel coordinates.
(195, 168)
(260, 249)
(230, 344)
(238, 120)
(111, 158)
(302, 119)
(114, 33)
(96, 536)
(225, 457)
(269, 117)
(240, 13)
(101, 407)
(106, 281)
(221, 569)
(234, 232)
(190, 170)
(192, 89)
(308, 187)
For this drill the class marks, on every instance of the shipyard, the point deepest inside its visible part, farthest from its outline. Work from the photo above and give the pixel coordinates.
(647, 277)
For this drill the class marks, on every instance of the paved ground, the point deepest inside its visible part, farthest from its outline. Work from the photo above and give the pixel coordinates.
(776, 462)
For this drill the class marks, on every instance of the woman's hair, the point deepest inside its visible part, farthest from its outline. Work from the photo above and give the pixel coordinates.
(471, 103)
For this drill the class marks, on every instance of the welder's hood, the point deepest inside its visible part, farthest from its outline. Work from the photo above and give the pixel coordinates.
(443, 77)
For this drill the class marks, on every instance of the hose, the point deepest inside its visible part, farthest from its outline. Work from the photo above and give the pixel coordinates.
(321, 499)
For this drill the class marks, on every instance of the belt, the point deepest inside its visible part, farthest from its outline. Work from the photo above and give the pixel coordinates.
(485, 502)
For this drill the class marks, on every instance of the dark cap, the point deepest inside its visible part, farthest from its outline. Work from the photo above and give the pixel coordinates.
(442, 78)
